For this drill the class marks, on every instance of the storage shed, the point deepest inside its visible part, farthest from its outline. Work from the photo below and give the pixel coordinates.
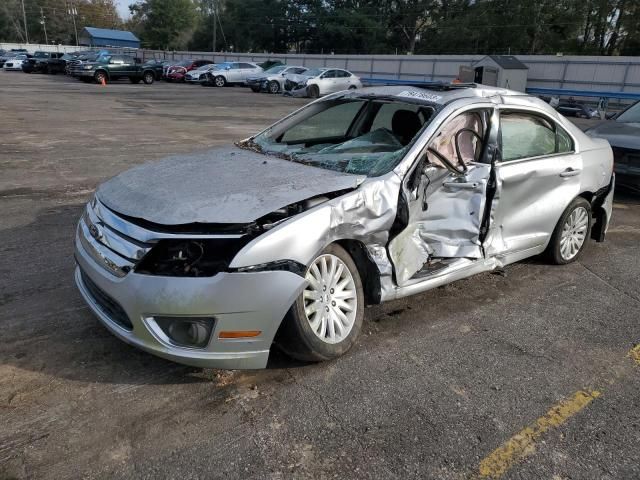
(103, 37)
(509, 72)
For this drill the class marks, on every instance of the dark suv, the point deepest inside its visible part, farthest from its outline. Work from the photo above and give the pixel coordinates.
(113, 67)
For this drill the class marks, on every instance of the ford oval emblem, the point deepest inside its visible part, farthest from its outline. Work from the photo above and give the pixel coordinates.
(95, 232)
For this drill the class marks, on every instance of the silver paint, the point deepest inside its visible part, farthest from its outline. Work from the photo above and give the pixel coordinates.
(236, 186)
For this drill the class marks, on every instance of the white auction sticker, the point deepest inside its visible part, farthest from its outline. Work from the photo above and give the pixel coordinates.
(421, 95)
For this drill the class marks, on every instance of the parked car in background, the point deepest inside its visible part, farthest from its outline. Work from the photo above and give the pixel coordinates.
(11, 54)
(231, 73)
(273, 79)
(15, 63)
(359, 198)
(157, 66)
(75, 66)
(58, 65)
(266, 65)
(623, 133)
(323, 81)
(39, 63)
(577, 110)
(177, 71)
(114, 67)
(199, 74)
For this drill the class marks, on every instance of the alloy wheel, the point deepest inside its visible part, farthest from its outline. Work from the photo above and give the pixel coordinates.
(574, 233)
(330, 299)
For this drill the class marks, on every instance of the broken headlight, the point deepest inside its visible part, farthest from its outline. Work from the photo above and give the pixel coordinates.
(191, 258)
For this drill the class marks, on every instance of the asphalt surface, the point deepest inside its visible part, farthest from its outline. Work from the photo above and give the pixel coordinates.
(522, 375)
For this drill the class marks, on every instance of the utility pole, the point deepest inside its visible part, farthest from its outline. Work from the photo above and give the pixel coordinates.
(43, 21)
(73, 12)
(24, 18)
(215, 25)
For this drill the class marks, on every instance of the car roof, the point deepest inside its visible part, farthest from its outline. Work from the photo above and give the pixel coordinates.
(439, 93)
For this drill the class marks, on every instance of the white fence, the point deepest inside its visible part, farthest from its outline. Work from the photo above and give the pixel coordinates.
(612, 74)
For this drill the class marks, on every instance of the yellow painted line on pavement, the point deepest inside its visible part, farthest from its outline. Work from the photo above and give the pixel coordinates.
(498, 462)
(634, 354)
(523, 442)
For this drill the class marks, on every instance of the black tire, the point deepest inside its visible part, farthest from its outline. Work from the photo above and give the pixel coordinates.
(219, 81)
(273, 87)
(296, 337)
(314, 91)
(148, 78)
(99, 75)
(352, 87)
(134, 80)
(554, 250)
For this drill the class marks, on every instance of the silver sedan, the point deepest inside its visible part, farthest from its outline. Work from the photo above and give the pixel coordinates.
(359, 198)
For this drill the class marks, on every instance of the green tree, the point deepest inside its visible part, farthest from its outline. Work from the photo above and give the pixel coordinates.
(165, 24)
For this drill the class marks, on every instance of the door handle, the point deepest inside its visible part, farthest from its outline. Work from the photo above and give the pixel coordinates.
(570, 172)
(461, 185)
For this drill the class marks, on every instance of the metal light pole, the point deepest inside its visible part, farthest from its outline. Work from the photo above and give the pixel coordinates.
(73, 12)
(43, 21)
(215, 25)
(24, 18)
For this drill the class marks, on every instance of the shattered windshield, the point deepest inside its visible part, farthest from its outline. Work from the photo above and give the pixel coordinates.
(358, 135)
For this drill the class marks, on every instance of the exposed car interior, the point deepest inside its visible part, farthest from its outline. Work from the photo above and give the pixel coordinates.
(358, 136)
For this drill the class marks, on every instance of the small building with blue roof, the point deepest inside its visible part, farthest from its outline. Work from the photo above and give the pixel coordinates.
(104, 37)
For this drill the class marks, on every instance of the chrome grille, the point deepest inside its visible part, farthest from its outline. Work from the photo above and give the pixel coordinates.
(112, 242)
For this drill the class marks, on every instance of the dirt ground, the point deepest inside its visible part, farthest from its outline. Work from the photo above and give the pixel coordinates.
(528, 374)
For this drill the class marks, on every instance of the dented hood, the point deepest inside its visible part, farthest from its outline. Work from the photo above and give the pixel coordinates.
(223, 185)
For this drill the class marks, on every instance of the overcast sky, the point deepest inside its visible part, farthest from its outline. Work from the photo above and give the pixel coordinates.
(123, 8)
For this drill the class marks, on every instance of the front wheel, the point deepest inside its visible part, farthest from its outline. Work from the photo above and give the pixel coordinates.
(274, 87)
(220, 81)
(571, 233)
(314, 91)
(100, 77)
(326, 319)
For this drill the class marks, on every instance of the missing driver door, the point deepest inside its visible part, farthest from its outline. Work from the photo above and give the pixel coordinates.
(444, 198)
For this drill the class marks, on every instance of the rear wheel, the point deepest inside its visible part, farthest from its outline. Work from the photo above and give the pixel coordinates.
(314, 91)
(326, 319)
(274, 87)
(220, 81)
(571, 233)
(148, 78)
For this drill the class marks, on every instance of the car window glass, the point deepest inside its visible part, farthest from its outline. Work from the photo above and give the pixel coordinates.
(525, 135)
(332, 122)
(468, 128)
(631, 115)
(343, 74)
(329, 74)
(246, 65)
(384, 117)
(565, 143)
(298, 70)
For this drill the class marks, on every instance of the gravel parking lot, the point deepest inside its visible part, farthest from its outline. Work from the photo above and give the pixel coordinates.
(526, 374)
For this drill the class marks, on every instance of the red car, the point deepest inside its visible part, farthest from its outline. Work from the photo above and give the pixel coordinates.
(177, 72)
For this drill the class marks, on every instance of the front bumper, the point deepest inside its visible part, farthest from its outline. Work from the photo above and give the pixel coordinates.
(237, 301)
